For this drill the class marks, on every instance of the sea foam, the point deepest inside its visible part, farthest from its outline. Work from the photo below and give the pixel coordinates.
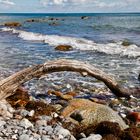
(79, 43)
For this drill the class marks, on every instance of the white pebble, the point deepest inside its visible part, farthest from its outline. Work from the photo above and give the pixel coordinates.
(26, 123)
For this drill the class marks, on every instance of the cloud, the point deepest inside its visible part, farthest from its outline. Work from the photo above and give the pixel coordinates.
(60, 2)
(7, 2)
(97, 3)
(90, 5)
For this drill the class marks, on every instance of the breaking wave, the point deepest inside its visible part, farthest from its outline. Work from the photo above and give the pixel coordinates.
(79, 43)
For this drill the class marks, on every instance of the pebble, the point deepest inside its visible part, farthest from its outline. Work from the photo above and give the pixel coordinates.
(45, 137)
(24, 137)
(14, 137)
(61, 131)
(41, 123)
(93, 137)
(47, 118)
(24, 113)
(4, 109)
(54, 115)
(82, 135)
(2, 123)
(36, 136)
(26, 123)
(49, 128)
(31, 113)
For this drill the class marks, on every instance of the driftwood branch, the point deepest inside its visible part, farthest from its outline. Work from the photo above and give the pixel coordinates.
(10, 84)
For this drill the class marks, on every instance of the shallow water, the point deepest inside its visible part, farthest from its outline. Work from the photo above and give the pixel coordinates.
(34, 43)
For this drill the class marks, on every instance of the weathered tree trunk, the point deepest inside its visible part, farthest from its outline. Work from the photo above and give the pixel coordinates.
(10, 84)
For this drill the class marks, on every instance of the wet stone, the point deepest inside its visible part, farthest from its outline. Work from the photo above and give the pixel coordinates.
(93, 137)
(24, 137)
(26, 123)
(2, 123)
(45, 137)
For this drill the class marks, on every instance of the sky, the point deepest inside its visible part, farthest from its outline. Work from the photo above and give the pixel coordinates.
(69, 6)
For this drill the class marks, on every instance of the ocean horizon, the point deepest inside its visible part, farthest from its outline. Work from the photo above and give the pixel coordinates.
(77, 14)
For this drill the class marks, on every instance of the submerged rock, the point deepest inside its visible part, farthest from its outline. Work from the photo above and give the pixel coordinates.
(139, 77)
(84, 17)
(126, 43)
(64, 48)
(91, 113)
(32, 20)
(54, 23)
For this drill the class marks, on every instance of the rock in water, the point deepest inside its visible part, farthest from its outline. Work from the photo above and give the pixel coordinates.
(139, 77)
(84, 17)
(63, 48)
(12, 24)
(91, 113)
(126, 43)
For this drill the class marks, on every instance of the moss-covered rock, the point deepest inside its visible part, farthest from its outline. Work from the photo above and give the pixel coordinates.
(126, 43)
(91, 113)
(64, 48)
(12, 24)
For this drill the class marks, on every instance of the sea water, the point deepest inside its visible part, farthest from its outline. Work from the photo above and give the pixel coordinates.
(96, 40)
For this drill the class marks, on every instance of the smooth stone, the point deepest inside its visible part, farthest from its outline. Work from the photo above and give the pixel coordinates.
(24, 112)
(93, 137)
(44, 117)
(58, 107)
(14, 137)
(60, 137)
(36, 136)
(2, 123)
(26, 123)
(61, 131)
(45, 137)
(24, 137)
(64, 48)
(48, 128)
(10, 109)
(91, 113)
(4, 109)
(41, 123)
(31, 113)
(82, 135)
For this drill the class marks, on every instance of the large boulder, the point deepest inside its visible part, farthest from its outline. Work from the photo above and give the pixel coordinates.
(87, 113)
(63, 48)
(12, 24)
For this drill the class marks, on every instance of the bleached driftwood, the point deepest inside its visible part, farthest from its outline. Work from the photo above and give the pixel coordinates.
(10, 84)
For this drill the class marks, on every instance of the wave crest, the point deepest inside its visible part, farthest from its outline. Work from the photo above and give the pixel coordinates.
(79, 43)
